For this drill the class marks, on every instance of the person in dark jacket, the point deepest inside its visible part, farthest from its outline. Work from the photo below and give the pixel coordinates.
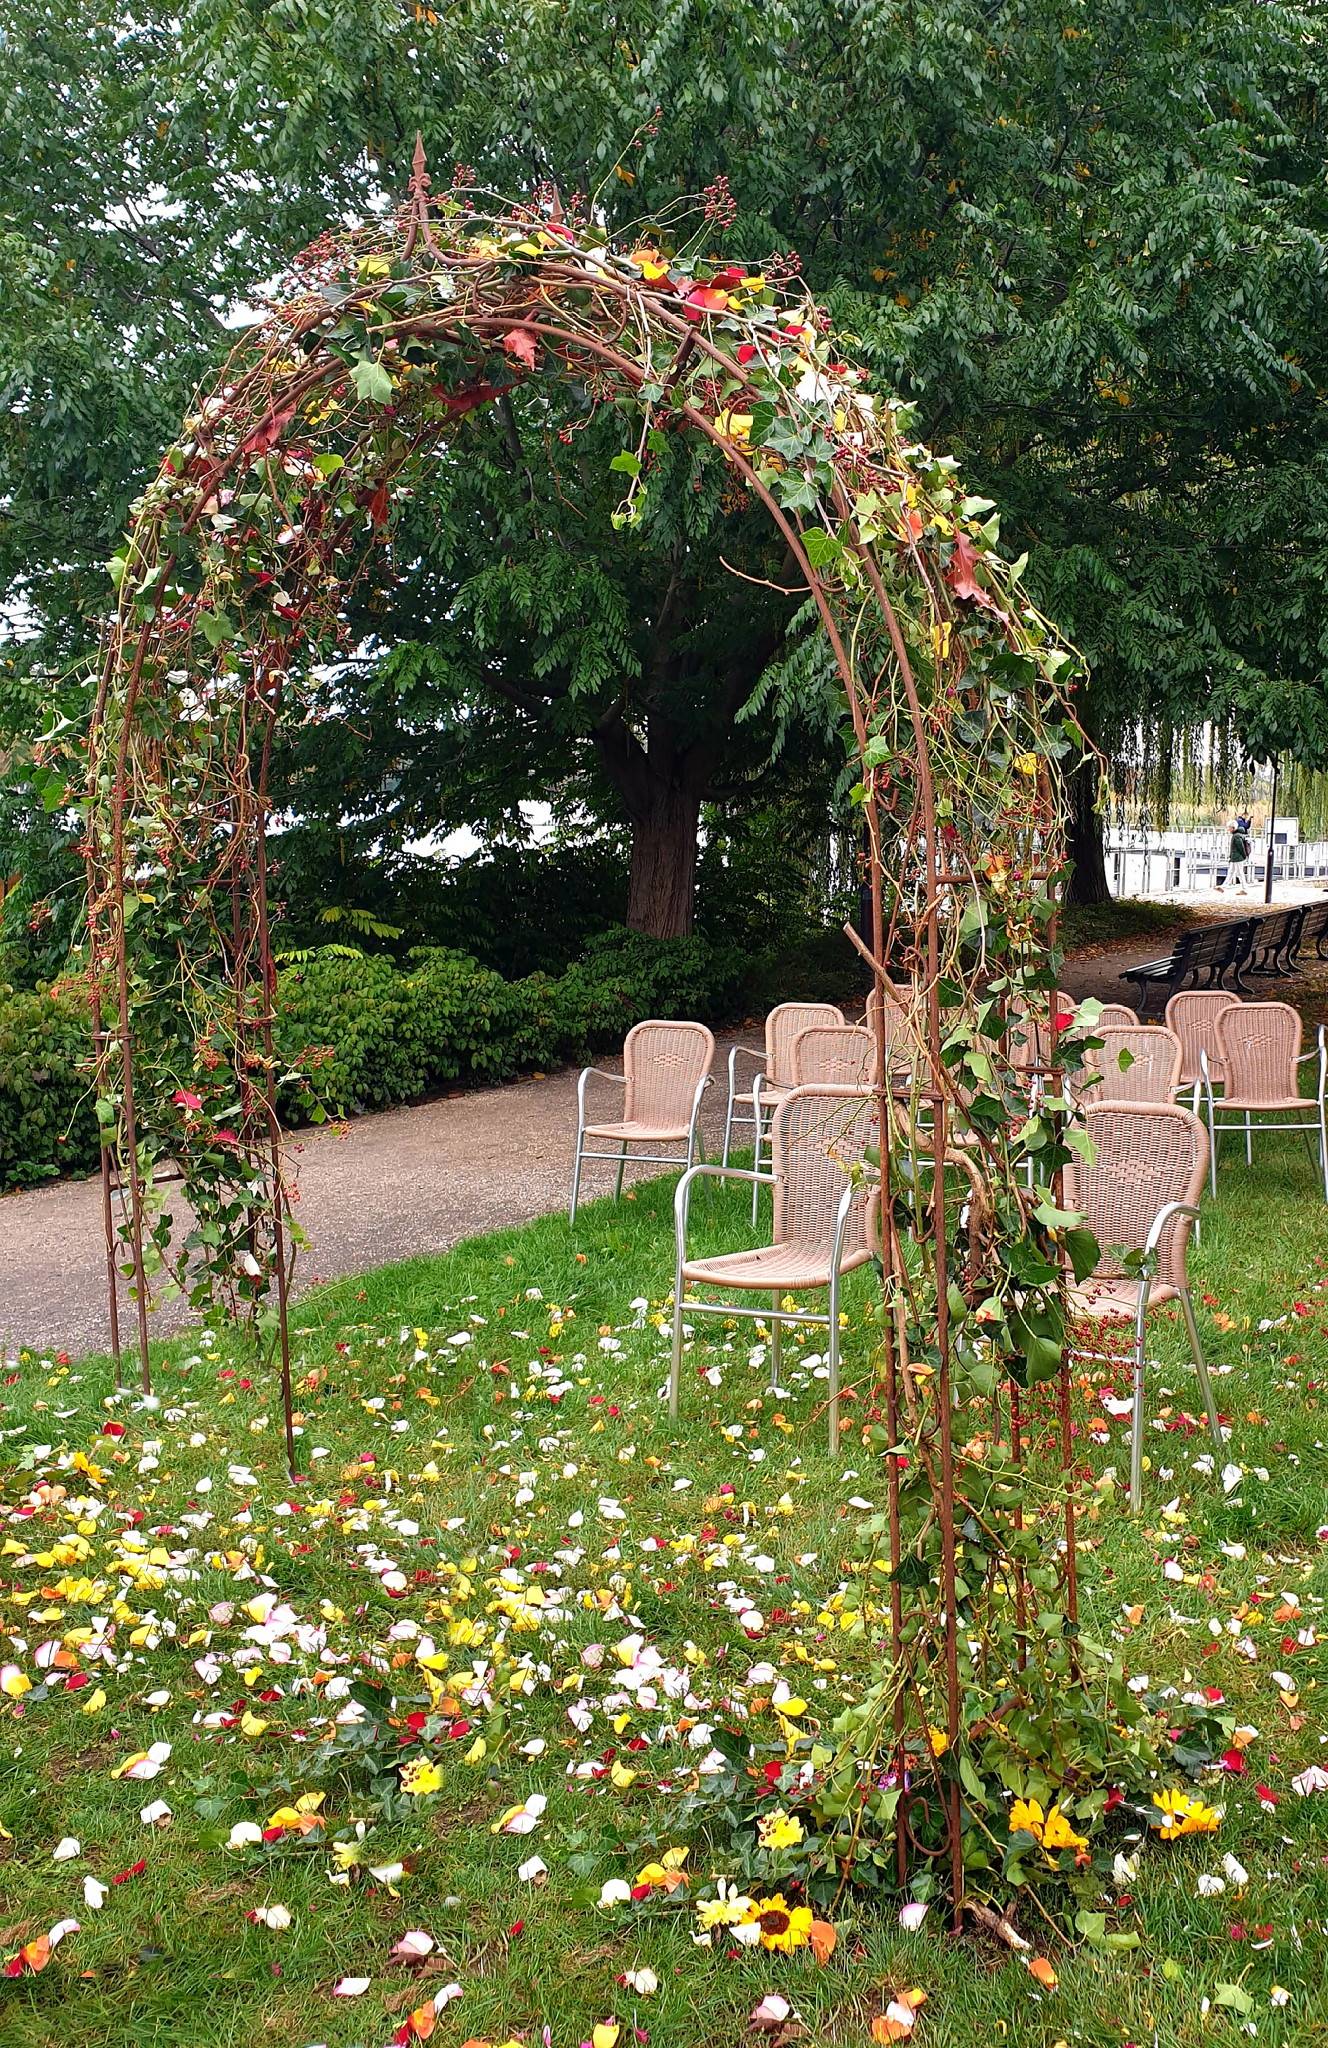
(1238, 852)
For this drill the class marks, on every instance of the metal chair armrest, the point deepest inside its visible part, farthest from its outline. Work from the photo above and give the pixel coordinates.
(1161, 1220)
(751, 1053)
(846, 1201)
(581, 1080)
(682, 1194)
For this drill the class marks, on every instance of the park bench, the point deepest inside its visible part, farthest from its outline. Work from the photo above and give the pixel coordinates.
(1273, 945)
(1313, 931)
(1208, 950)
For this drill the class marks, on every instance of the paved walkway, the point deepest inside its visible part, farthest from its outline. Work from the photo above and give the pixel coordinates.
(387, 1186)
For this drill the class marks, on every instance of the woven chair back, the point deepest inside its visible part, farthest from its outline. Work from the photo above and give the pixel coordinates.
(1146, 1154)
(835, 1056)
(1119, 1013)
(664, 1061)
(1149, 1073)
(1193, 1016)
(1259, 1046)
(819, 1136)
(782, 1027)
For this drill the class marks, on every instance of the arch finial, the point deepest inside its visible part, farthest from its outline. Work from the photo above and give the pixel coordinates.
(419, 200)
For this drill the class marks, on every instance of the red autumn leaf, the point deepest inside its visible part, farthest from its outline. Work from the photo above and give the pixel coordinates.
(268, 431)
(378, 506)
(520, 343)
(458, 402)
(959, 575)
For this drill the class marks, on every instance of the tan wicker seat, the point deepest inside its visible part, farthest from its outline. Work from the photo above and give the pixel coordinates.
(1258, 1048)
(821, 1215)
(1193, 1016)
(1141, 1193)
(774, 1077)
(666, 1071)
(1149, 1073)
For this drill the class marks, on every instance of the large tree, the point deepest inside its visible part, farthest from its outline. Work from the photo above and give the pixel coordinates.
(1089, 240)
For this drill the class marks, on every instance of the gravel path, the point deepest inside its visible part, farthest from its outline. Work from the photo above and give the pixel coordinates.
(387, 1186)
(384, 1187)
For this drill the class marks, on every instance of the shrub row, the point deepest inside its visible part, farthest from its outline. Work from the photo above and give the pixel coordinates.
(360, 1032)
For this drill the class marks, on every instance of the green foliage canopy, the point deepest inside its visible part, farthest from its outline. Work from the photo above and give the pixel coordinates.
(1089, 240)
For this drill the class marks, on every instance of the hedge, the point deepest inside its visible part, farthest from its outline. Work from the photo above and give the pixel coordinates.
(359, 1032)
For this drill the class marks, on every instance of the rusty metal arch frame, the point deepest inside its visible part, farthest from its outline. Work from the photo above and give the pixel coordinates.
(125, 1169)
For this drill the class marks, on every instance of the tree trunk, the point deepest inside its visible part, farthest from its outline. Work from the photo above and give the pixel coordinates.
(661, 888)
(1088, 866)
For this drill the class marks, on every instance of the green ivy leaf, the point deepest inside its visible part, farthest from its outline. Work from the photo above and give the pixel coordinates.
(371, 380)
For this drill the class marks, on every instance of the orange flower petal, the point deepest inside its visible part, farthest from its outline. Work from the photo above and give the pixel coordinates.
(823, 1939)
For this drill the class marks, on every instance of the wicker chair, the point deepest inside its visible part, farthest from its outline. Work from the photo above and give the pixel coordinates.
(833, 1056)
(1112, 1015)
(1151, 1072)
(1258, 1048)
(774, 1076)
(1193, 1016)
(1141, 1193)
(666, 1071)
(818, 1135)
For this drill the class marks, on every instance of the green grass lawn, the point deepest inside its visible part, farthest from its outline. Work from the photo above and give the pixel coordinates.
(491, 1466)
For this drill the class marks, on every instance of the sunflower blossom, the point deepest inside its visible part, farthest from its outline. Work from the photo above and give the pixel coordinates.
(780, 1926)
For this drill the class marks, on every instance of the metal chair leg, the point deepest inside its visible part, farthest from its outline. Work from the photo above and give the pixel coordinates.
(756, 1162)
(1200, 1366)
(1137, 1420)
(833, 1362)
(622, 1165)
(1212, 1140)
(576, 1178)
(1249, 1140)
(728, 1131)
(675, 1365)
(776, 1341)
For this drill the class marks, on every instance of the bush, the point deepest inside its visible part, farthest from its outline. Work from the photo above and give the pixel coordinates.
(357, 1032)
(47, 1123)
(361, 1033)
